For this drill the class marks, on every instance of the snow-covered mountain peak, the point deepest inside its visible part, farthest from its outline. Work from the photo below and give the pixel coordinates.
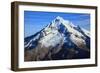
(62, 25)
(59, 38)
(59, 21)
(59, 18)
(63, 21)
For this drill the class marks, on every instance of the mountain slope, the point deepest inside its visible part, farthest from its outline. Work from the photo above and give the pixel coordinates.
(60, 39)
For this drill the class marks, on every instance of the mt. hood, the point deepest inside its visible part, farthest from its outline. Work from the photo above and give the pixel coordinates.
(59, 40)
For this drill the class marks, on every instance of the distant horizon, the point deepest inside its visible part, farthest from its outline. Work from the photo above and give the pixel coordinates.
(35, 21)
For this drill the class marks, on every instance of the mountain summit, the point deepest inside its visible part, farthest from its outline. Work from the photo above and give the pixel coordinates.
(59, 40)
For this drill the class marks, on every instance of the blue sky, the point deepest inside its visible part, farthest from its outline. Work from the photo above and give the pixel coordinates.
(35, 21)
